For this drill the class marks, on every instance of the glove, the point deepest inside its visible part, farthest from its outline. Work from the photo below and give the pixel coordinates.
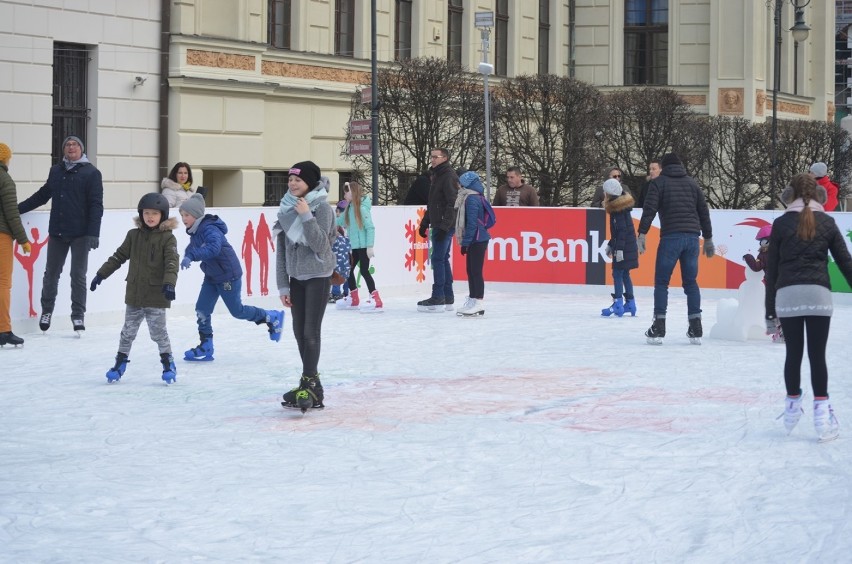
(95, 281)
(640, 242)
(185, 263)
(370, 253)
(423, 230)
(93, 242)
(169, 292)
(27, 248)
(609, 251)
(438, 234)
(619, 256)
(464, 249)
(709, 247)
(771, 325)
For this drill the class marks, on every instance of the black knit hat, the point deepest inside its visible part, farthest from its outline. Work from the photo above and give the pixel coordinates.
(307, 171)
(670, 159)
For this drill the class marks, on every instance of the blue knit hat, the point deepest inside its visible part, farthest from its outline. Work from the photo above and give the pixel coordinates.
(471, 180)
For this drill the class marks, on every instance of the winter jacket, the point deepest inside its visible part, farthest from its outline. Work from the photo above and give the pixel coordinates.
(77, 200)
(154, 261)
(418, 194)
(175, 193)
(342, 250)
(312, 259)
(209, 245)
(10, 218)
(759, 263)
(680, 203)
(831, 191)
(359, 237)
(792, 261)
(525, 195)
(622, 231)
(475, 218)
(440, 212)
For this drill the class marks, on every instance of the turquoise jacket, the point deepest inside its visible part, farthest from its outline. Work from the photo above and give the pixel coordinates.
(359, 238)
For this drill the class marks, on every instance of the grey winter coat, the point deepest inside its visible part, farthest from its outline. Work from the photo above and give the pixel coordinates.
(312, 259)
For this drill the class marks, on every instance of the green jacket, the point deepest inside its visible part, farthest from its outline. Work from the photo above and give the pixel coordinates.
(153, 260)
(10, 219)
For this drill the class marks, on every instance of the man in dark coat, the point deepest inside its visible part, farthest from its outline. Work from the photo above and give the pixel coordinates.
(684, 216)
(77, 193)
(418, 193)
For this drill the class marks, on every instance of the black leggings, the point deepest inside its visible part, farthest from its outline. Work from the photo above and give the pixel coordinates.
(475, 260)
(309, 299)
(794, 337)
(359, 257)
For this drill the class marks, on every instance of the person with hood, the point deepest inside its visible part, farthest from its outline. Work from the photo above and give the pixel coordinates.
(177, 187)
(798, 293)
(76, 190)
(474, 216)
(222, 277)
(820, 172)
(621, 248)
(306, 231)
(151, 250)
(684, 216)
(11, 229)
(358, 222)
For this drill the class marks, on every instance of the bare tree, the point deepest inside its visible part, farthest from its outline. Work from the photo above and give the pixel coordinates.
(545, 124)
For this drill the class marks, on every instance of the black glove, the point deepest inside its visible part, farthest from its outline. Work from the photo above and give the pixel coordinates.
(464, 249)
(93, 242)
(95, 281)
(423, 230)
(438, 234)
(169, 292)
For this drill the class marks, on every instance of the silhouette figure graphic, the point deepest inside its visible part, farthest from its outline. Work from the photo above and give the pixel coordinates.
(28, 262)
(247, 254)
(263, 242)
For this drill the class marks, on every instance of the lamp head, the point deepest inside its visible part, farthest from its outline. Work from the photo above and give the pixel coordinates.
(800, 29)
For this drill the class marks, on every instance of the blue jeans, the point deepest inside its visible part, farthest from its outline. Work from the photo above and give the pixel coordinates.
(441, 270)
(674, 248)
(230, 294)
(622, 282)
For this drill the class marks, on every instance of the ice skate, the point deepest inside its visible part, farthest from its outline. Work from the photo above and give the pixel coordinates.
(449, 303)
(169, 369)
(78, 325)
(9, 338)
(203, 352)
(825, 423)
(352, 301)
(44, 321)
(308, 395)
(792, 412)
(630, 305)
(373, 304)
(657, 331)
(471, 308)
(433, 305)
(617, 307)
(115, 373)
(695, 331)
(275, 321)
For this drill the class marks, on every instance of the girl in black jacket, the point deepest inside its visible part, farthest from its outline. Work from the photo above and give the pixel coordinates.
(798, 292)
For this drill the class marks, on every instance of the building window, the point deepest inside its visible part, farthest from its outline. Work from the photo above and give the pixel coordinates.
(646, 41)
(402, 40)
(454, 31)
(501, 38)
(279, 23)
(344, 28)
(275, 186)
(70, 94)
(543, 36)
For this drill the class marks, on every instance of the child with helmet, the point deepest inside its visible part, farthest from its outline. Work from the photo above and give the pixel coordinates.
(758, 264)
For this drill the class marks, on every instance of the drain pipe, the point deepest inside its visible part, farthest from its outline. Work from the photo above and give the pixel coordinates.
(572, 37)
(163, 133)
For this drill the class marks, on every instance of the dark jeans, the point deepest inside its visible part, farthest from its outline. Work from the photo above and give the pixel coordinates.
(230, 294)
(57, 252)
(359, 257)
(309, 299)
(475, 261)
(794, 339)
(674, 248)
(622, 282)
(442, 272)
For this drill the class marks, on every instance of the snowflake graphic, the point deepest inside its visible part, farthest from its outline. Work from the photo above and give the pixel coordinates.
(417, 257)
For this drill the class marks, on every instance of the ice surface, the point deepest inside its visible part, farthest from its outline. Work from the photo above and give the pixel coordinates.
(538, 433)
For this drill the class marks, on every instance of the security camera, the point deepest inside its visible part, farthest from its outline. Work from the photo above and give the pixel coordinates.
(486, 68)
(139, 81)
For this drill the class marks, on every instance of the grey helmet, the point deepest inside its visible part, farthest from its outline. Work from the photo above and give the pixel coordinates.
(154, 201)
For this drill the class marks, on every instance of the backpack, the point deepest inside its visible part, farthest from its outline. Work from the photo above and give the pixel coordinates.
(490, 216)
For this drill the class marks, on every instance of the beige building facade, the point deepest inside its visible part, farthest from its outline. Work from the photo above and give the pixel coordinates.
(253, 86)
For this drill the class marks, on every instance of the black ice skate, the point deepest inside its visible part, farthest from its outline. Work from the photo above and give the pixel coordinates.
(657, 331)
(9, 338)
(695, 332)
(308, 395)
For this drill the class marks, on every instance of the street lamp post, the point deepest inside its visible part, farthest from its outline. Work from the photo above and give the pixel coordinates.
(485, 21)
(800, 33)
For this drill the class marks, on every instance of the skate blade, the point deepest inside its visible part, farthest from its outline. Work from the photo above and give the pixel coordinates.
(828, 439)
(470, 315)
(654, 340)
(201, 359)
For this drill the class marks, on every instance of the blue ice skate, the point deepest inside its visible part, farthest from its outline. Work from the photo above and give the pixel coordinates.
(169, 368)
(275, 321)
(115, 373)
(203, 352)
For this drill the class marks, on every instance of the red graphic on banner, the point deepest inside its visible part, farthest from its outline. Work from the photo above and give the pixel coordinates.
(263, 242)
(417, 255)
(28, 262)
(247, 252)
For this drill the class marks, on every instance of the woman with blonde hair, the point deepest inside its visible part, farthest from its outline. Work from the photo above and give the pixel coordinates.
(798, 293)
(358, 222)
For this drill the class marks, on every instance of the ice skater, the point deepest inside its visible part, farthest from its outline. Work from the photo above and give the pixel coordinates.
(758, 264)
(342, 250)
(621, 248)
(474, 216)
(222, 277)
(358, 222)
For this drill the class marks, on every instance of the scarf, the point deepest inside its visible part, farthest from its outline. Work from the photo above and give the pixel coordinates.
(461, 198)
(798, 205)
(296, 231)
(187, 186)
(71, 164)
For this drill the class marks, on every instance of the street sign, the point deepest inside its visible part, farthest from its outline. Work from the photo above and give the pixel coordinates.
(366, 95)
(483, 19)
(360, 127)
(360, 147)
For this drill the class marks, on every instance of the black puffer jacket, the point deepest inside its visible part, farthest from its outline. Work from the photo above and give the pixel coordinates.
(441, 211)
(680, 203)
(793, 261)
(622, 231)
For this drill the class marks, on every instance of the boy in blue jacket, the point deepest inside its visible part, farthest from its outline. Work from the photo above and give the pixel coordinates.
(222, 277)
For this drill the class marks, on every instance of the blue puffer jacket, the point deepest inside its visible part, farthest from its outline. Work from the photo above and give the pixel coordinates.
(77, 200)
(474, 217)
(208, 244)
